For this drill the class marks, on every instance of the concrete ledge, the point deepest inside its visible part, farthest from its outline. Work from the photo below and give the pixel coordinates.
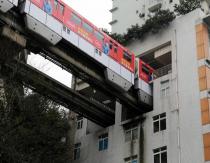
(12, 35)
(206, 129)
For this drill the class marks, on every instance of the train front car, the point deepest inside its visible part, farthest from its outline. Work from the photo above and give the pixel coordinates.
(142, 82)
(6, 5)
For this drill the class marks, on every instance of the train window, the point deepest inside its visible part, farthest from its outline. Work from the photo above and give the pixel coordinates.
(145, 69)
(87, 27)
(61, 9)
(75, 19)
(56, 4)
(99, 36)
(110, 46)
(115, 49)
(127, 56)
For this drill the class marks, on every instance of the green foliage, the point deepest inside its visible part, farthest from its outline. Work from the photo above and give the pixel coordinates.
(33, 132)
(154, 24)
(186, 6)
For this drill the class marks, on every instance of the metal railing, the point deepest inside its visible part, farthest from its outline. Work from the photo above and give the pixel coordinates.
(162, 71)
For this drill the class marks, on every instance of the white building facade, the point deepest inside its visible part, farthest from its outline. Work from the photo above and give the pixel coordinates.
(178, 128)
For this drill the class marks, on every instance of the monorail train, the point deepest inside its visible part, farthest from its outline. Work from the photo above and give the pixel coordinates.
(54, 20)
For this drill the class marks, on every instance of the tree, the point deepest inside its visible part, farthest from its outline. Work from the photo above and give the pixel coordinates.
(154, 24)
(33, 131)
(186, 6)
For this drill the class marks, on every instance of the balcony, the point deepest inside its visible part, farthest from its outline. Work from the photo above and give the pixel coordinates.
(162, 71)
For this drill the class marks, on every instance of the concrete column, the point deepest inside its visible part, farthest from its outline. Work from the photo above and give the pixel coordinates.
(118, 113)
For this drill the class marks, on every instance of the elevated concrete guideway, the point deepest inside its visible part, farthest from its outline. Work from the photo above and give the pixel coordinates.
(74, 61)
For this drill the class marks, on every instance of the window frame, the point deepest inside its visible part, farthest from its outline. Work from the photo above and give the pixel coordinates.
(131, 159)
(77, 151)
(158, 121)
(130, 131)
(158, 153)
(127, 56)
(104, 141)
(79, 123)
(165, 88)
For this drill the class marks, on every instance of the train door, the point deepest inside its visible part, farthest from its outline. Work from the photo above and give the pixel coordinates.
(114, 50)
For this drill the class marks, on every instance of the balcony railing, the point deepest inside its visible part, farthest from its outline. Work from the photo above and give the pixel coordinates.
(162, 71)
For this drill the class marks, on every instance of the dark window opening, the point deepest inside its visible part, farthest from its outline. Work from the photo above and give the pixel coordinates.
(110, 46)
(115, 50)
(77, 148)
(160, 155)
(159, 122)
(145, 70)
(127, 56)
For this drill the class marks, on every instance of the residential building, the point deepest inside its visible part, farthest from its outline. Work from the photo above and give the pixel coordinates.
(178, 128)
(131, 12)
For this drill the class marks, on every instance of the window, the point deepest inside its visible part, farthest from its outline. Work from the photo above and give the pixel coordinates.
(159, 122)
(61, 9)
(165, 88)
(115, 49)
(79, 122)
(131, 134)
(77, 148)
(132, 159)
(103, 142)
(99, 36)
(75, 19)
(87, 27)
(127, 56)
(145, 69)
(160, 155)
(56, 4)
(110, 45)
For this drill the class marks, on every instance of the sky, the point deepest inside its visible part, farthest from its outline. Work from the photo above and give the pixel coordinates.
(97, 12)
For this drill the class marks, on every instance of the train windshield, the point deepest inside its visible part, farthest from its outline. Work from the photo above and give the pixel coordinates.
(75, 19)
(99, 36)
(127, 56)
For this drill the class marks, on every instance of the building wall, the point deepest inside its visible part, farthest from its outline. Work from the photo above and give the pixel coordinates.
(184, 134)
(126, 13)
